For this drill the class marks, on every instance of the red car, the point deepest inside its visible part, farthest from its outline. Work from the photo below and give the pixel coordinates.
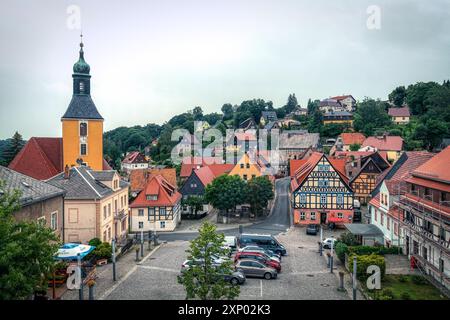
(259, 257)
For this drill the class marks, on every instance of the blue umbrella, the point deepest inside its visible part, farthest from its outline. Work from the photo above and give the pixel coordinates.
(69, 251)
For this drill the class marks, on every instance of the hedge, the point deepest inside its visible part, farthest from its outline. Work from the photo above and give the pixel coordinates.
(341, 250)
(381, 250)
(364, 261)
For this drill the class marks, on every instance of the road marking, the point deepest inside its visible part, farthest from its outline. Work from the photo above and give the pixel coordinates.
(160, 269)
(129, 273)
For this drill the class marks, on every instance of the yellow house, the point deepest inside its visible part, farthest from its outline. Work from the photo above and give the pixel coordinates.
(95, 205)
(399, 115)
(82, 124)
(247, 168)
(341, 117)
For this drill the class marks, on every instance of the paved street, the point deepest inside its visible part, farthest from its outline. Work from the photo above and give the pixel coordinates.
(279, 221)
(304, 274)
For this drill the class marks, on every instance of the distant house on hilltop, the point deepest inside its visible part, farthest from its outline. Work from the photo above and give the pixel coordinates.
(134, 160)
(399, 115)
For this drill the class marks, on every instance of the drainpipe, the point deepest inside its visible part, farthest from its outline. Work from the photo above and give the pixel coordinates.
(63, 221)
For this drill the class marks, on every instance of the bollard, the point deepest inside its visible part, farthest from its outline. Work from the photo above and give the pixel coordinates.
(114, 259)
(142, 244)
(240, 229)
(137, 254)
(91, 285)
(355, 267)
(341, 281)
(80, 292)
(331, 257)
(328, 259)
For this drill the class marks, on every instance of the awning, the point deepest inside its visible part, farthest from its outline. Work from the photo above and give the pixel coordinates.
(69, 251)
(362, 229)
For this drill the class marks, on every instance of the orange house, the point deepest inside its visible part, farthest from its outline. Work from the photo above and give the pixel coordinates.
(247, 168)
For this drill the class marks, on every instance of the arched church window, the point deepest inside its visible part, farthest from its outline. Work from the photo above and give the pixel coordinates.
(83, 129)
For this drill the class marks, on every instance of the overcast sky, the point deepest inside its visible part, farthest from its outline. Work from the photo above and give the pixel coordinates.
(151, 60)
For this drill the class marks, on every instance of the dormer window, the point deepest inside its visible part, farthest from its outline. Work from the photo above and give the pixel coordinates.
(83, 129)
(152, 197)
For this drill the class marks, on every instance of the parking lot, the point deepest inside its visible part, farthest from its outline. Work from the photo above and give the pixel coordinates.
(304, 274)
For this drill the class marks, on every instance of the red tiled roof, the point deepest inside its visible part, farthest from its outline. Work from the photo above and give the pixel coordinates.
(205, 175)
(355, 154)
(429, 184)
(134, 157)
(338, 98)
(436, 168)
(294, 165)
(42, 158)
(385, 143)
(190, 163)
(375, 201)
(402, 170)
(399, 112)
(157, 185)
(349, 138)
(106, 165)
(220, 169)
(140, 177)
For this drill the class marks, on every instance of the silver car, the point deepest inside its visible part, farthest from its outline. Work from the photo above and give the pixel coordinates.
(266, 253)
(253, 268)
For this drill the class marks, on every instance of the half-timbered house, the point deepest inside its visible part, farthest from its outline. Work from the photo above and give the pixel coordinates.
(363, 173)
(321, 192)
(157, 207)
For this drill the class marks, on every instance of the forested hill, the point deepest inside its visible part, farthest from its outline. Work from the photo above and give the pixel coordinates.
(429, 103)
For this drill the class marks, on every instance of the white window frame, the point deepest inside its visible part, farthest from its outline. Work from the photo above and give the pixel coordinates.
(55, 226)
(86, 144)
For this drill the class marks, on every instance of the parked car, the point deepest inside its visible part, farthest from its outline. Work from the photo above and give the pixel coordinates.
(253, 268)
(258, 257)
(326, 244)
(235, 278)
(263, 241)
(312, 229)
(267, 253)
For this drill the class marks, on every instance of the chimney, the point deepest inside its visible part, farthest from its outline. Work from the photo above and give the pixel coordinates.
(66, 172)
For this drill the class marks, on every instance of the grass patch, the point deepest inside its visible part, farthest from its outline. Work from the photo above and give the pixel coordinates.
(405, 287)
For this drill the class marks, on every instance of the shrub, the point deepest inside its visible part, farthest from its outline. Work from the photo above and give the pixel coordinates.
(364, 261)
(95, 242)
(405, 296)
(388, 293)
(419, 280)
(341, 250)
(403, 279)
(348, 238)
(382, 250)
(103, 251)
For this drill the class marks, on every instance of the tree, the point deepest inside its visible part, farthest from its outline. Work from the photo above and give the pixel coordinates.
(197, 112)
(315, 121)
(226, 192)
(332, 129)
(431, 133)
(16, 144)
(312, 105)
(416, 96)
(27, 251)
(195, 204)
(292, 103)
(259, 192)
(370, 114)
(204, 280)
(398, 96)
(227, 110)
(355, 147)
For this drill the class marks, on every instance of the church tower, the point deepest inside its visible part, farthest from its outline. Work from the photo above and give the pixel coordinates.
(82, 124)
